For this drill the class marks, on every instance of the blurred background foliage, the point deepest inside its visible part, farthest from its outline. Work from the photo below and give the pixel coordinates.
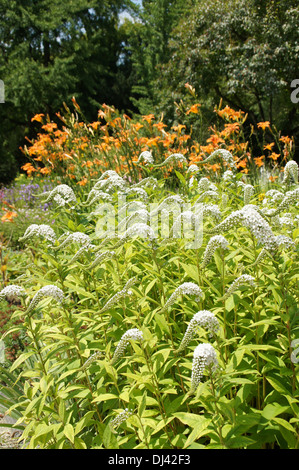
(138, 56)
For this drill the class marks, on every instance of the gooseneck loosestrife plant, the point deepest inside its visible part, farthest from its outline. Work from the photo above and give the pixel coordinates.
(135, 340)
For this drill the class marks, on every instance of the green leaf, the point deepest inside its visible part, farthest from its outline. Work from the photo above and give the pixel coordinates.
(22, 358)
(190, 419)
(278, 385)
(105, 397)
(273, 409)
(191, 270)
(142, 405)
(162, 323)
(198, 431)
(180, 177)
(68, 431)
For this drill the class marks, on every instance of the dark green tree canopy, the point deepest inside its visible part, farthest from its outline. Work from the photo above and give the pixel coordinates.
(52, 50)
(245, 52)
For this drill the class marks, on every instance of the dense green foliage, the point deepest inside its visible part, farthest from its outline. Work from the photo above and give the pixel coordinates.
(80, 383)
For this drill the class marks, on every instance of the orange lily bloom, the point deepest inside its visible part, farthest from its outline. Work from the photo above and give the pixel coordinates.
(263, 125)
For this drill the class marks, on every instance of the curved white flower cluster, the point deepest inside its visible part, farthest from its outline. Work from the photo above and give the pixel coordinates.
(204, 356)
(217, 241)
(174, 159)
(146, 156)
(291, 172)
(91, 359)
(75, 237)
(62, 195)
(122, 293)
(168, 203)
(204, 184)
(228, 177)
(244, 279)
(82, 250)
(137, 192)
(202, 319)
(210, 194)
(113, 183)
(47, 291)
(137, 230)
(131, 206)
(225, 155)
(12, 291)
(42, 230)
(96, 195)
(250, 218)
(273, 196)
(140, 216)
(187, 217)
(193, 169)
(133, 334)
(120, 418)
(109, 173)
(101, 258)
(187, 288)
(289, 199)
(202, 209)
(248, 192)
(150, 181)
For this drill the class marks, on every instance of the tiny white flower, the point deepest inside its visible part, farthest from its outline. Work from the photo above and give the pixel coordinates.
(146, 156)
(122, 293)
(242, 280)
(204, 356)
(132, 334)
(62, 194)
(42, 230)
(187, 288)
(12, 291)
(291, 172)
(120, 418)
(47, 291)
(218, 241)
(203, 319)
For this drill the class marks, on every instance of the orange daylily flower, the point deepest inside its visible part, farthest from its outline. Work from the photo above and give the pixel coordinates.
(274, 156)
(38, 118)
(8, 216)
(148, 118)
(228, 113)
(50, 126)
(272, 178)
(95, 124)
(194, 109)
(215, 139)
(263, 125)
(259, 160)
(83, 182)
(159, 125)
(45, 171)
(242, 164)
(29, 168)
(285, 139)
(269, 146)
(138, 126)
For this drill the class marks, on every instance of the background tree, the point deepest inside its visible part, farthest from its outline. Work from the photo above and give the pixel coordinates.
(148, 46)
(49, 51)
(244, 52)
